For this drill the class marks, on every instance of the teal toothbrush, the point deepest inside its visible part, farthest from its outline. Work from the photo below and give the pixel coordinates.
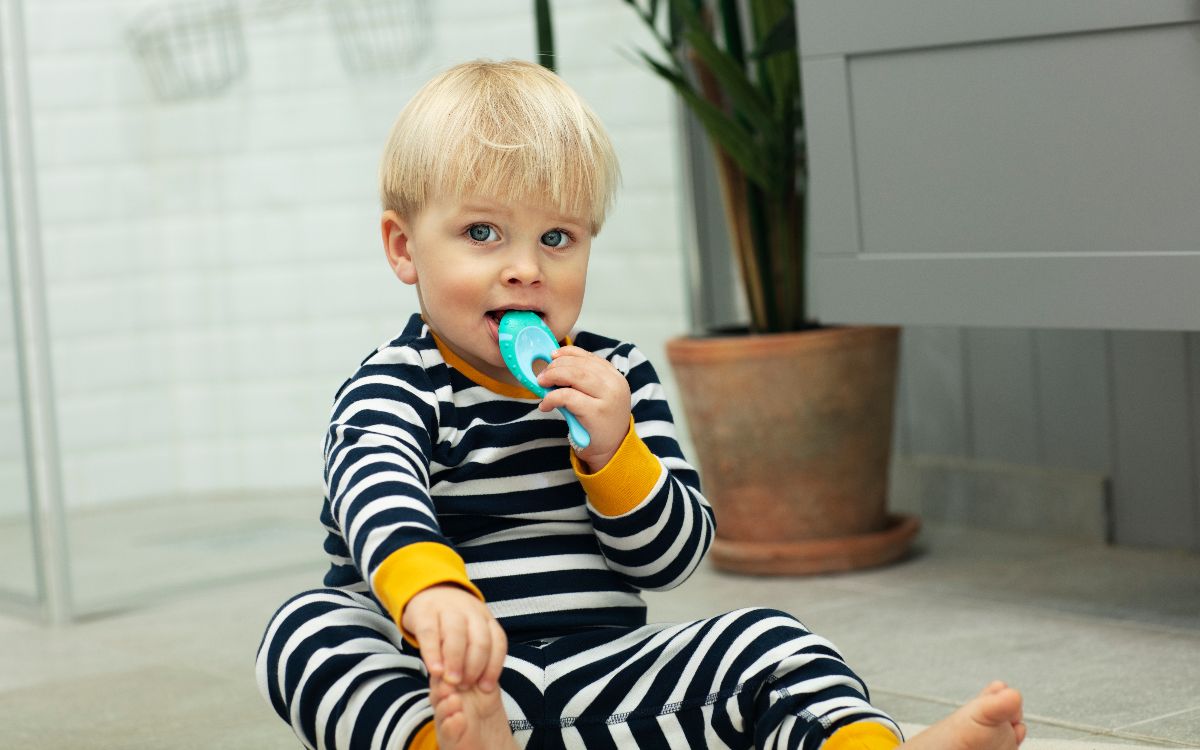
(525, 339)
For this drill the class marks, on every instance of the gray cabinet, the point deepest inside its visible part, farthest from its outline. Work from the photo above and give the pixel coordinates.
(1031, 163)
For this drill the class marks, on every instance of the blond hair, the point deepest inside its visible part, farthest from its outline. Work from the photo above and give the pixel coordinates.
(509, 128)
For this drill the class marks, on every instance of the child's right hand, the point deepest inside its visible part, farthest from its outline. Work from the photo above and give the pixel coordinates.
(459, 638)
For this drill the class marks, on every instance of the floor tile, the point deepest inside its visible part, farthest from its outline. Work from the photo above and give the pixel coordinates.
(1143, 586)
(1105, 645)
(142, 709)
(1179, 727)
(132, 553)
(33, 655)
(1076, 670)
(709, 592)
(172, 630)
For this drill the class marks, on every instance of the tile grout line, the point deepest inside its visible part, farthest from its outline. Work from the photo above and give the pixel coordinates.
(1159, 718)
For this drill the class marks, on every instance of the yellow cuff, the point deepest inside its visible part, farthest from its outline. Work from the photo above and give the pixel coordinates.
(625, 481)
(862, 735)
(425, 738)
(414, 568)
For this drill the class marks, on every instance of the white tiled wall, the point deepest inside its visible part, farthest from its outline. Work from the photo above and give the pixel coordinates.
(214, 265)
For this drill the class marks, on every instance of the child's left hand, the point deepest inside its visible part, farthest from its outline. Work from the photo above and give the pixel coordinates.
(596, 393)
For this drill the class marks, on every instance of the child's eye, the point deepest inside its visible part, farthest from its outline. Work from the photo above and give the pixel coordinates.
(556, 238)
(481, 232)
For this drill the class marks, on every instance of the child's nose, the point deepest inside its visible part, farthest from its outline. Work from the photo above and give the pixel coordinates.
(523, 268)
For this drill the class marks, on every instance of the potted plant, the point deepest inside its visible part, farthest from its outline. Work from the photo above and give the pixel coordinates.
(791, 419)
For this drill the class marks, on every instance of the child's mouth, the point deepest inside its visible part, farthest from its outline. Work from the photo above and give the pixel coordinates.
(494, 316)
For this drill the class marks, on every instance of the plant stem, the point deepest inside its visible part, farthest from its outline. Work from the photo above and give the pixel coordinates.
(545, 33)
(731, 21)
(736, 195)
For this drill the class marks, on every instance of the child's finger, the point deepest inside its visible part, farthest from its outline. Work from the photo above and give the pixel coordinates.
(439, 690)
(454, 644)
(479, 647)
(576, 402)
(495, 665)
(592, 365)
(430, 643)
(570, 351)
(579, 377)
(573, 355)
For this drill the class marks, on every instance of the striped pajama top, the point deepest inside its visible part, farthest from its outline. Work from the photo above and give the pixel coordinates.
(437, 473)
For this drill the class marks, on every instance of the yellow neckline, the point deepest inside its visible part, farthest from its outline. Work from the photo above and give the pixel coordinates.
(475, 376)
(479, 378)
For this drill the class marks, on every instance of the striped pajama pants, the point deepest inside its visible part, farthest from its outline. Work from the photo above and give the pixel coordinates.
(333, 665)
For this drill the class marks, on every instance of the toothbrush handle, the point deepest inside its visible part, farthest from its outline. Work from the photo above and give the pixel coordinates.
(576, 432)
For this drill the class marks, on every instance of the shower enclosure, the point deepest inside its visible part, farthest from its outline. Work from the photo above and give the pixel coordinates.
(188, 273)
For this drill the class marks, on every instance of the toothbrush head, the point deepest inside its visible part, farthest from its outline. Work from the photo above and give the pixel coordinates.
(525, 339)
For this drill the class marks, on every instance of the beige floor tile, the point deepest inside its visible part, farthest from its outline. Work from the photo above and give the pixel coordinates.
(1101, 666)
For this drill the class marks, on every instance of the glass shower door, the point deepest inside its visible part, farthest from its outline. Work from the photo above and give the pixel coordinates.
(19, 582)
(196, 268)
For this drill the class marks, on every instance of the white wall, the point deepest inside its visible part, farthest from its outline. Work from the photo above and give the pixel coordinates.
(214, 266)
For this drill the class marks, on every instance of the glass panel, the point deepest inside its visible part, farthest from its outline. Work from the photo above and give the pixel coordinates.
(213, 271)
(18, 573)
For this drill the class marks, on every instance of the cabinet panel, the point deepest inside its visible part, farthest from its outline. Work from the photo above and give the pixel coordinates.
(1041, 174)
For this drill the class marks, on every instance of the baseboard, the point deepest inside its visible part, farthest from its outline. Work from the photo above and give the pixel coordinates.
(1003, 497)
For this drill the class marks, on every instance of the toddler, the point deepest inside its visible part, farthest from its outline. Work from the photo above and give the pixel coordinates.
(484, 579)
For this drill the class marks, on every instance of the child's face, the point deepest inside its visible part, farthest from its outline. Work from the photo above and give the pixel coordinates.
(474, 258)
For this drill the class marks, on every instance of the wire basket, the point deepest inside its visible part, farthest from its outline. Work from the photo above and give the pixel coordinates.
(378, 35)
(190, 49)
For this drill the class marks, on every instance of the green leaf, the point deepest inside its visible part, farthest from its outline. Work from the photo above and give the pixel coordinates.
(650, 19)
(778, 71)
(747, 99)
(780, 39)
(762, 135)
(729, 135)
(731, 23)
(733, 80)
(637, 56)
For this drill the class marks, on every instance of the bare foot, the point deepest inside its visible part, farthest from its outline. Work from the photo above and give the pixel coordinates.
(991, 721)
(469, 719)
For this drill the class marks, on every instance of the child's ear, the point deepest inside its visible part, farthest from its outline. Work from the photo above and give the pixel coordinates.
(396, 235)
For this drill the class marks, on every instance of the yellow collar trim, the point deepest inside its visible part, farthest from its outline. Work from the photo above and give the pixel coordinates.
(479, 378)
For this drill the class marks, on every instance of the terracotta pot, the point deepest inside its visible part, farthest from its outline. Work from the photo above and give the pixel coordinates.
(793, 436)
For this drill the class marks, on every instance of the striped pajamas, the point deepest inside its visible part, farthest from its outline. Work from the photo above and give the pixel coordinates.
(437, 474)
(751, 678)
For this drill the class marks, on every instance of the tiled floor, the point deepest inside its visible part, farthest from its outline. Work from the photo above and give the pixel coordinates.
(123, 553)
(1104, 643)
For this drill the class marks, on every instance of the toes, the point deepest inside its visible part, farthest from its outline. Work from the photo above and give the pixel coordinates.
(451, 705)
(452, 729)
(994, 687)
(1021, 731)
(1000, 707)
(439, 690)
(450, 720)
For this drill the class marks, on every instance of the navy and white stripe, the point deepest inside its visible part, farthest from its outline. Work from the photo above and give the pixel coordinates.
(417, 452)
(755, 678)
